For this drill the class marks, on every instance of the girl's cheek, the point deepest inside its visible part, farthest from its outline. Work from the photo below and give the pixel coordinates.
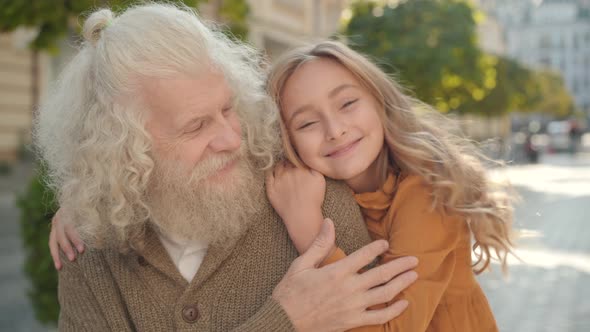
(305, 150)
(302, 149)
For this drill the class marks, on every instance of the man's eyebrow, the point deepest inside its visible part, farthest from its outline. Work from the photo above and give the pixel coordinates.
(231, 101)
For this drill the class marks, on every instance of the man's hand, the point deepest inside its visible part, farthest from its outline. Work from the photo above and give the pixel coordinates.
(335, 297)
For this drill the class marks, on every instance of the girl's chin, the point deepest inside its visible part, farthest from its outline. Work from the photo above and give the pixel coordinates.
(342, 176)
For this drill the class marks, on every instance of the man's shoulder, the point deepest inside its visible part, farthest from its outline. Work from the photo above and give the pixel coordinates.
(340, 206)
(92, 259)
(338, 188)
(339, 198)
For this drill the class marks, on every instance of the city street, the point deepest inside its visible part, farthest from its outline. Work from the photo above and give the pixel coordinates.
(547, 290)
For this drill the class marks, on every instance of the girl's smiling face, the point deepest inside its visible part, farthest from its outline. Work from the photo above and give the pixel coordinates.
(332, 120)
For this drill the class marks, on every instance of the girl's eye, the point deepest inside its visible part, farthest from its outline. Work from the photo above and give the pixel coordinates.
(349, 103)
(306, 125)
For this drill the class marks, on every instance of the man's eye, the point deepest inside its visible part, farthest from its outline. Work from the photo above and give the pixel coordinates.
(227, 110)
(349, 103)
(196, 127)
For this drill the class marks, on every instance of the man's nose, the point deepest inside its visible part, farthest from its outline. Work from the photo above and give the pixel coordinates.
(227, 138)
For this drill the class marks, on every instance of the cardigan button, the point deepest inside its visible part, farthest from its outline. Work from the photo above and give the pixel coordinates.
(190, 313)
(142, 261)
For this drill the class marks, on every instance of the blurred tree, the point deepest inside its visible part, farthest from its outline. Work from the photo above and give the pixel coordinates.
(234, 13)
(37, 205)
(515, 89)
(54, 19)
(522, 89)
(551, 95)
(431, 47)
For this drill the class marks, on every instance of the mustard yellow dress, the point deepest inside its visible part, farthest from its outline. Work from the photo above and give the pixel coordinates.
(446, 297)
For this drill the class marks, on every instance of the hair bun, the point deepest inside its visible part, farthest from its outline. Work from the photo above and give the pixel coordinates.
(95, 24)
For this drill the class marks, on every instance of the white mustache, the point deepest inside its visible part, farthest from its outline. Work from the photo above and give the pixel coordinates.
(214, 164)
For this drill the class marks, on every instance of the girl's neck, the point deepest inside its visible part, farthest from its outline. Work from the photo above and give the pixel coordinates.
(372, 178)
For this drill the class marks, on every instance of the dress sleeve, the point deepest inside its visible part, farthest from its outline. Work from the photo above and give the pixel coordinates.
(415, 229)
(335, 256)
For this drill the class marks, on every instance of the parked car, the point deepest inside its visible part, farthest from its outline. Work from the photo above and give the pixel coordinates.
(559, 136)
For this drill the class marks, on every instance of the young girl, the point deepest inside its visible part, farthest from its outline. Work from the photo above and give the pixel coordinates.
(418, 186)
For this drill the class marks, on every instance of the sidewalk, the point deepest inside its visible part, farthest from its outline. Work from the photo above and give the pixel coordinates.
(547, 289)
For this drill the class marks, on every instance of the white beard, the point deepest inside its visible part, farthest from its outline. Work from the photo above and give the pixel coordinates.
(197, 205)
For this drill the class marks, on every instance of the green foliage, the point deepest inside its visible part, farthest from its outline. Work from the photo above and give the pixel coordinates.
(522, 89)
(235, 13)
(430, 45)
(551, 95)
(37, 207)
(514, 90)
(54, 19)
(51, 18)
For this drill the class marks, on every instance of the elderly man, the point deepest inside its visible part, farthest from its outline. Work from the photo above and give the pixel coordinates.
(157, 136)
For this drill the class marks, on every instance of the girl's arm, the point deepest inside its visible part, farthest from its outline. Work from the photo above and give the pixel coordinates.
(297, 195)
(414, 229)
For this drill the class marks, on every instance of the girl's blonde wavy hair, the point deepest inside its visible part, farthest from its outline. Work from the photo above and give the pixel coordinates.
(90, 131)
(419, 141)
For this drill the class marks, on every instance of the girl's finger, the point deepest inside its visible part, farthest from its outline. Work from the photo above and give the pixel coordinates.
(74, 237)
(54, 249)
(64, 243)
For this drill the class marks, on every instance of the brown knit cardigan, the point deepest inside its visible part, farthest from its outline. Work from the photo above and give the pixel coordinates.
(104, 290)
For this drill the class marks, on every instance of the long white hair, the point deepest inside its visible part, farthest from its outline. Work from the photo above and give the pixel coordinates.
(90, 131)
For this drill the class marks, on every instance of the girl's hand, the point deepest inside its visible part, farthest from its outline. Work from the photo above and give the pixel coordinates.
(62, 236)
(297, 195)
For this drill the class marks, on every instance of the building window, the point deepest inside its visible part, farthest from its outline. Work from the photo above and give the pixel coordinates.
(561, 41)
(545, 42)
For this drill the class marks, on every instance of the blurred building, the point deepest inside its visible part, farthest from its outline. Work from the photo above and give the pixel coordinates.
(490, 35)
(274, 26)
(277, 25)
(22, 74)
(553, 34)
